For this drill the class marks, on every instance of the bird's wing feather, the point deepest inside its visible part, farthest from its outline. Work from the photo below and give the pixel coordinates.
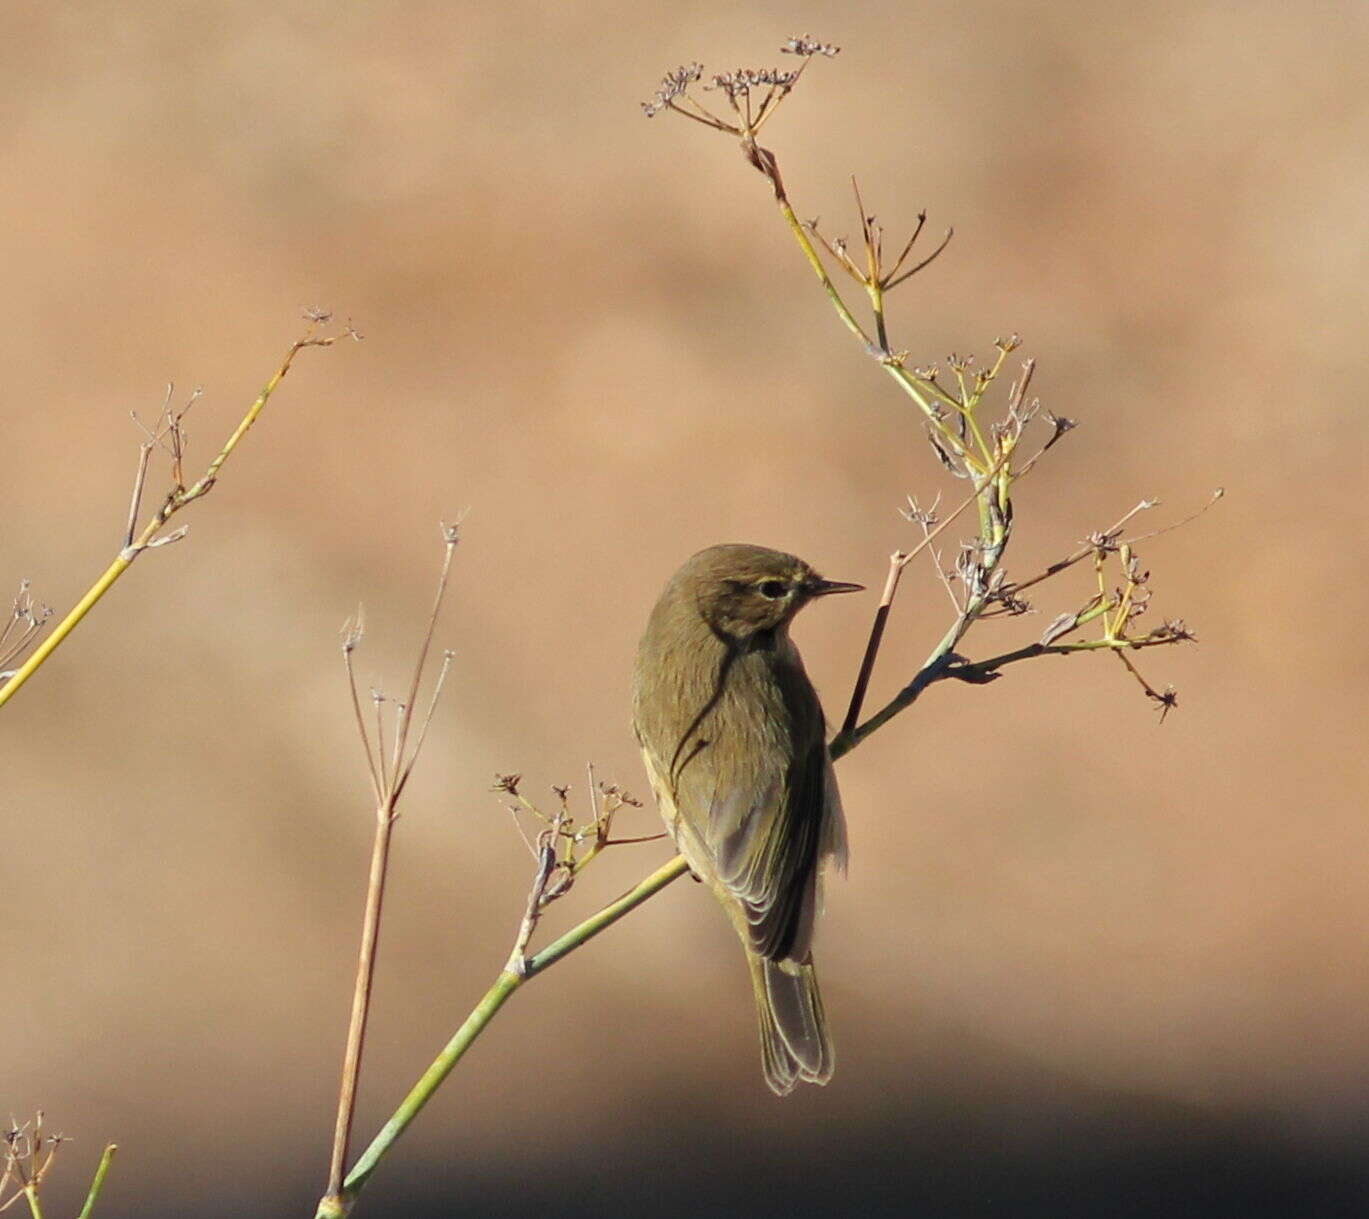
(763, 833)
(758, 818)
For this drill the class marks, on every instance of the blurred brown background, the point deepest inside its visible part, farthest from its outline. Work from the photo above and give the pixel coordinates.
(1083, 964)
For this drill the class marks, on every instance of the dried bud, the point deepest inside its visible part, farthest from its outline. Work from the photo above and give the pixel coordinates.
(1059, 426)
(1062, 625)
(1168, 700)
(1176, 629)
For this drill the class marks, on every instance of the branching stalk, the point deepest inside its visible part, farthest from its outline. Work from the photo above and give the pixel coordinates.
(176, 499)
(388, 782)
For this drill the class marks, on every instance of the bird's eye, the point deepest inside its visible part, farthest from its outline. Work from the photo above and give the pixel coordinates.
(774, 589)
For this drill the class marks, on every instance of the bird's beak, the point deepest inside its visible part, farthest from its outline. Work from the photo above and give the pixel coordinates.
(822, 588)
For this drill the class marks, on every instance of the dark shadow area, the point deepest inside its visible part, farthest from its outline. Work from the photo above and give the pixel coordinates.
(1134, 1161)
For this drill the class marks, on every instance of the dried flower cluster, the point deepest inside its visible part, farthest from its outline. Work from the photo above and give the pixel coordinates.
(771, 84)
(806, 45)
(564, 846)
(673, 85)
(26, 621)
(740, 81)
(28, 1156)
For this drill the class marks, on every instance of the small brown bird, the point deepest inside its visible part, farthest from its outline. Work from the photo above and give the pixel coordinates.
(736, 747)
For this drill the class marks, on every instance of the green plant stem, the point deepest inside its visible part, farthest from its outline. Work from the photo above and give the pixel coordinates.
(35, 1203)
(814, 261)
(340, 1202)
(98, 1183)
(174, 502)
(915, 387)
(64, 628)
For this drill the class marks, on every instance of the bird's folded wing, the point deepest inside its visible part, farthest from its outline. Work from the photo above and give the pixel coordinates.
(765, 834)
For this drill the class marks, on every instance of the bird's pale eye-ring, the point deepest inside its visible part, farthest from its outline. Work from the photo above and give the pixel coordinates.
(774, 589)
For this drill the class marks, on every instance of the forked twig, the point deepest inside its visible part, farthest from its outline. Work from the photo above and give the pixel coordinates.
(176, 499)
(388, 781)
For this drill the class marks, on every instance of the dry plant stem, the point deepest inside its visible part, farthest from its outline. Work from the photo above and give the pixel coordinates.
(175, 500)
(361, 997)
(388, 779)
(897, 562)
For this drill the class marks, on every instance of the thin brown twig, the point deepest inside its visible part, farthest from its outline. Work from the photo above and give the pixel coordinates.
(1109, 536)
(547, 860)
(153, 438)
(926, 522)
(1167, 699)
(361, 997)
(897, 562)
(352, 634)
(1217, 493)
(447, 658)
(895, 280)
(451, 536)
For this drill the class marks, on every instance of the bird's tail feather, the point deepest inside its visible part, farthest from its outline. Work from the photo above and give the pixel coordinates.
(795, 1046)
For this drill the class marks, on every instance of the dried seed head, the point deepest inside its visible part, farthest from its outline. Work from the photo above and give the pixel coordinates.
(740, 82)
(1059, 426)
(914, 512)
(806, 45)
(673, 84)
(353, 631)
(1012, 604)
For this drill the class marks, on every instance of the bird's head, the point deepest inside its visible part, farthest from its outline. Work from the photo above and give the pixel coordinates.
(742, 590)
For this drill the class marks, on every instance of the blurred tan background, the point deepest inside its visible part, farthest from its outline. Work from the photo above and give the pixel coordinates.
(1084, 964)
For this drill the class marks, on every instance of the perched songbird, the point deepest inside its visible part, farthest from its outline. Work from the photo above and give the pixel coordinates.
(736, 747)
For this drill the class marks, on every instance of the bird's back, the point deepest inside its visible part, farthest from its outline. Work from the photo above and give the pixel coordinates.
(734, 739)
